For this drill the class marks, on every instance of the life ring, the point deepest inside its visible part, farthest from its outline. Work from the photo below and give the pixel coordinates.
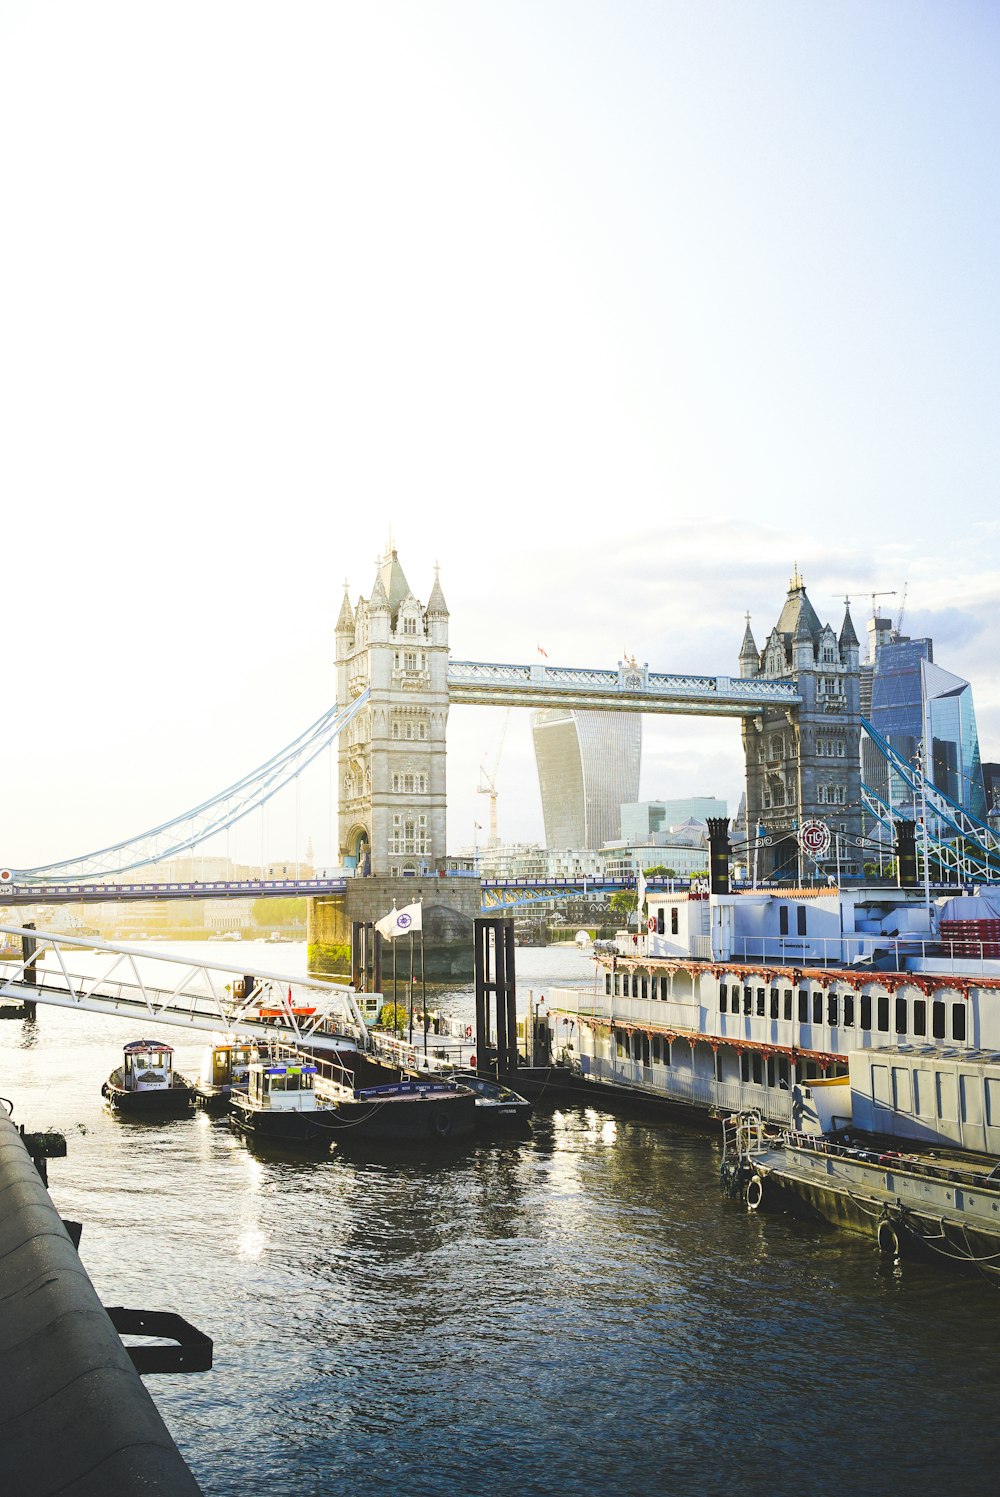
(5, 875)
(442, 1123)
(468, 1031)
(888, 1239)
(651, 924)
(754, 1192)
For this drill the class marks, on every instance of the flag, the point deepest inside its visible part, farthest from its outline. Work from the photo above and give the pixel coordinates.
(401, 922)
(640, 889)
(543, 652)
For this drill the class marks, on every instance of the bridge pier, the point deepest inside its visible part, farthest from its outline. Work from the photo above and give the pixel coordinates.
(450, 905)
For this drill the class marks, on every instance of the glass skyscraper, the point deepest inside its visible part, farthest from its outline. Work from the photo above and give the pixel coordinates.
(912, 696)
(588, 768)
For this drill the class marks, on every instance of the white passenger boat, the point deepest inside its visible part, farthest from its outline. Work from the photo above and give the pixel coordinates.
(146, 1085)
(726, 1002)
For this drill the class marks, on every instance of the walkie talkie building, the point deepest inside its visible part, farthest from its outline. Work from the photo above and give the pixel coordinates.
(588, 768)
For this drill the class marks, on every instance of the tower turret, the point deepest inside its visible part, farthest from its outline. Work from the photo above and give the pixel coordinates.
(749, 654)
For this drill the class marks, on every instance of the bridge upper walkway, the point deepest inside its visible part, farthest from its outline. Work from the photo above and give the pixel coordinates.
(631, 687)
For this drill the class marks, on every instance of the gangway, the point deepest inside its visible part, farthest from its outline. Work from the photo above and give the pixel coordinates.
(155, 987)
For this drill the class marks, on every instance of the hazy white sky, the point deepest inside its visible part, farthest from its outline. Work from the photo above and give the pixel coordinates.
(616, 310)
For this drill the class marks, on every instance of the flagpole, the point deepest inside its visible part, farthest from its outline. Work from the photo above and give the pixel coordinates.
(423, 982)
(410, 986)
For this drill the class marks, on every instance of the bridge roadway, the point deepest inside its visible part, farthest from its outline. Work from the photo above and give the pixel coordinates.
(497, 893)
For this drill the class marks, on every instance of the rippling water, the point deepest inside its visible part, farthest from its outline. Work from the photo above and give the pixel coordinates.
(578, 1312)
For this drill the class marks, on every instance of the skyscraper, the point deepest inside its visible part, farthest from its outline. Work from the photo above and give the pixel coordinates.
(588, 767)
(911, 697)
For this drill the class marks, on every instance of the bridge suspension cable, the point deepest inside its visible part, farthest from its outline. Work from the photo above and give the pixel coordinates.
(222, 811)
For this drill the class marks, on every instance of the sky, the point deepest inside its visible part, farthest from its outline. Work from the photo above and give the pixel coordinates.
(616, 311)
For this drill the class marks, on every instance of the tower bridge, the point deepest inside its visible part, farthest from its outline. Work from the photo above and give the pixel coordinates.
(797, 699)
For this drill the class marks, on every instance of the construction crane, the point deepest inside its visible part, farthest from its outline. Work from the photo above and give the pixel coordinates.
(887, 593)
(902, 610)
(488, 782)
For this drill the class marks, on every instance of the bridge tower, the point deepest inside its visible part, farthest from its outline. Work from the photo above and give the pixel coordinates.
(805, 763)
(391, 759)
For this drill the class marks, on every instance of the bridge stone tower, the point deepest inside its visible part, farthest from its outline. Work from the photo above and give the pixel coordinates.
(391, 758)
(805, 763)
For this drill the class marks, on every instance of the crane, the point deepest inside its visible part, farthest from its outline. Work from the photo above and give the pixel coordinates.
(902, 610)
(490, 786)
(886, 593)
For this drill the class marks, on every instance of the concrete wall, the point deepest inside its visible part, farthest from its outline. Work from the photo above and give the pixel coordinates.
(449, 907)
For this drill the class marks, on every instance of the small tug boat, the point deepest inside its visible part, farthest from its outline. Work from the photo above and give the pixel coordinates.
(145, 1085)
(280, 1103)
(225, 1067)
(497, 1106)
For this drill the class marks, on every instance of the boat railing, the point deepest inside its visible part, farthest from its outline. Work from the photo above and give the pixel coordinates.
(933, 1169)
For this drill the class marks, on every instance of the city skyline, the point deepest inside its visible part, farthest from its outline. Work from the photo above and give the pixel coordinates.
(616, 314)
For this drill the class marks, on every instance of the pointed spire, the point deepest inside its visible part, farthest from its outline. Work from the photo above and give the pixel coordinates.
(435, 603)
(848, 638)
(345, 622)
(748, 650)
(378, 599)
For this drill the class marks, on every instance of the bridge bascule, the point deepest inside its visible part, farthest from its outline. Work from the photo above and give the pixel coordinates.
(797, 700)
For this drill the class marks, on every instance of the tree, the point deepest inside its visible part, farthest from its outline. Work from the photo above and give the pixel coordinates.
(660, 872)
(393, 1016)
(623, 903)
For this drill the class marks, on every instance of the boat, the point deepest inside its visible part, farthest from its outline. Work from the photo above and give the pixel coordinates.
(225, 1066)
(287, 1101)
(497, 1106)
(280, 1103)
(863, 1018)
(146, 1085)
(411, 1110)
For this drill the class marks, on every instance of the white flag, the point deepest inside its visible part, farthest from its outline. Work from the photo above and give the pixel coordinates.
(640, 889)
(401, 922)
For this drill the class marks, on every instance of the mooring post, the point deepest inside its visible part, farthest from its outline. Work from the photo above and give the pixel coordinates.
(366, 956)
(500, 1059)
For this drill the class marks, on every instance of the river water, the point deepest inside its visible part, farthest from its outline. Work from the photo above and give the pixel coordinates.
(577, 1312)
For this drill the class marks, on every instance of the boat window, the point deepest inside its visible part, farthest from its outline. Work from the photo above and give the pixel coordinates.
(607, 983)
(803, 1005)
(783, 1072)
(645, 1049)
(775, 1000)
(782, 920)
(644, 993)
(770, 1070)
(833, 1010)
(883, 1013)
(866, 1010)
(938, 1020)
(761, 998)
(958, 1021)
(723, 998)
(919, 1016)
(744, 1066)
(748, 1000)
(900, 1015)
(660, 925)
(673, 920)
(848, 1010)
(800, 919)
(817, 1008)
(757, 1069)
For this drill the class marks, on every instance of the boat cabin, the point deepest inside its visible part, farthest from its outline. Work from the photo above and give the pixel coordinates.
(228, 1063)
(149, 1066)
(281, 1088)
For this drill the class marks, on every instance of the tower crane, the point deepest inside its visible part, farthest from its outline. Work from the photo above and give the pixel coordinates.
(886, 593)
(488, 782)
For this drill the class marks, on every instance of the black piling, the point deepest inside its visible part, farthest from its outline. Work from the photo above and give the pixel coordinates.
(366, 957)
(494, 938)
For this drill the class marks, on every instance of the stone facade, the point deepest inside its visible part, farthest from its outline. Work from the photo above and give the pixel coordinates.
(804, 764)
(391, 758)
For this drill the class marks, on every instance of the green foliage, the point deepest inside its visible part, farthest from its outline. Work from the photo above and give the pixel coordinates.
(271, 914)
(623, 903)
(333, 957)
(393, 1016)
(660, 872)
